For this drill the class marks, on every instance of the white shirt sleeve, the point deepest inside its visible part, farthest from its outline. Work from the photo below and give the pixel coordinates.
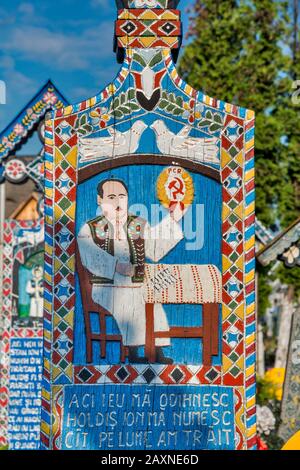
(97, 261)
(29, 289)
(162, 238)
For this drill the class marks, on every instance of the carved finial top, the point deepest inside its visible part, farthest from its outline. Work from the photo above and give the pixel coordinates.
(147, 3)
(147, 24)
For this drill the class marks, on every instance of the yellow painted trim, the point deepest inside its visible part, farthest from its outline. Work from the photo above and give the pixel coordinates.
(45, 428)
(293, 443)
(250, 276)
(250, 209)
(48, 141)
(47, 335)
(251, 402)
(45, 395)
(249, 175)
(68, 110)
(250, 339)
(48, 277)
(250, 243)
(250, 115)
(250, 371)
(249, 145)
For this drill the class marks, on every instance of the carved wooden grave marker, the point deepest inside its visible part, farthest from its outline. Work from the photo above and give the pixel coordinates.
(22, 263)
(149, 274)
(22, 337)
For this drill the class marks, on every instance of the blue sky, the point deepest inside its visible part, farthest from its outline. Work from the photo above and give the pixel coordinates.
(69, 41)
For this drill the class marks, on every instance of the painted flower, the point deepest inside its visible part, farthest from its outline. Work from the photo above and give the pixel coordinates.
(7, 143)
(19, 129)
(292, 254)
(192, 111)
(112, 89)
(50, 98)
(265, 420)
(275, 377)
(100, 117)
(261, 445)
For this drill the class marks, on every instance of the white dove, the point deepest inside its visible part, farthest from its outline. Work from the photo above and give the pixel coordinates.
(117, 143)
(181, 145)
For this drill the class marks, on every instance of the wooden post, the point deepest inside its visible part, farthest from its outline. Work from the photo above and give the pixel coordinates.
(284, 332)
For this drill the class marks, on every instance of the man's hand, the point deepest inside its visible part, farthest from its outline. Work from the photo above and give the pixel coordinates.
(177, 214)
(126, 269)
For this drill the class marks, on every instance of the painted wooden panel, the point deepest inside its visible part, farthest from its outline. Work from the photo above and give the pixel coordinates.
(21, 334)
(22, 275)
(149, 265)
(290, 411)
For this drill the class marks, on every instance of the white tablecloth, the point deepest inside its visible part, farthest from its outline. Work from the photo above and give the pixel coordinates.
(182, 284)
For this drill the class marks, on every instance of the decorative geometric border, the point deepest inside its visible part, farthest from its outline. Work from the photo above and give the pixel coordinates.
(48, 97)
(238, 258)
(144, 28)
(249, 280)
(148, 374)
(6, 330)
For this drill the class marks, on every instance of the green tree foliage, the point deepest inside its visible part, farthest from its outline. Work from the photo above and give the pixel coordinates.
(247, 52)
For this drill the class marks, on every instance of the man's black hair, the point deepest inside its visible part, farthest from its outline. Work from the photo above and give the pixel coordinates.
(102, 183)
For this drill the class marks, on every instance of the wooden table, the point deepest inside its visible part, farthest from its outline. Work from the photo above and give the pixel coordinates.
(184, 284)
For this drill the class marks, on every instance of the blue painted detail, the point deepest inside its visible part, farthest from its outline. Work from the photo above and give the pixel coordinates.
(48, 184)
(233, 182)
(62, 379)
(48, 269)
(250, 360)
(250, 298)
(250, 329)
(250, 198)
(250, 266)
(232, 237)
(251, 421)
(250, 392)
(250, 134)
(46, 416)
(242, 113)
(48, 296)
(250, 231)
(249, 165)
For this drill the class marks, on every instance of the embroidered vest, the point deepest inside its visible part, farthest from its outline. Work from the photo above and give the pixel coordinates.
(103, 235)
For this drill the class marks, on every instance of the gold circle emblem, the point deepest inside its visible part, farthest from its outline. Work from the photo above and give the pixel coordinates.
(175, 185)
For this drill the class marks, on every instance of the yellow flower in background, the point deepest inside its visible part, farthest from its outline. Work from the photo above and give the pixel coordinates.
(275, 378)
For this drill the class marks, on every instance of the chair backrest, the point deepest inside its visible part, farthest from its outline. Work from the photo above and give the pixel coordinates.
(84, 277)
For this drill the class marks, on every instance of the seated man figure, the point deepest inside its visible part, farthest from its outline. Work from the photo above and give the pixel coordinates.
(113, 248)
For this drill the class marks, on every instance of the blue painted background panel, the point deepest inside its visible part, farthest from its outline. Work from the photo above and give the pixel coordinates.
(208, 196)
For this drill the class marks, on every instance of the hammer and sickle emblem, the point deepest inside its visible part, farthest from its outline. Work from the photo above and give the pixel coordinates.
(176, 187)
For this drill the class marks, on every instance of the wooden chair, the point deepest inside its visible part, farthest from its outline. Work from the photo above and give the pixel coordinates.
(89, 307)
